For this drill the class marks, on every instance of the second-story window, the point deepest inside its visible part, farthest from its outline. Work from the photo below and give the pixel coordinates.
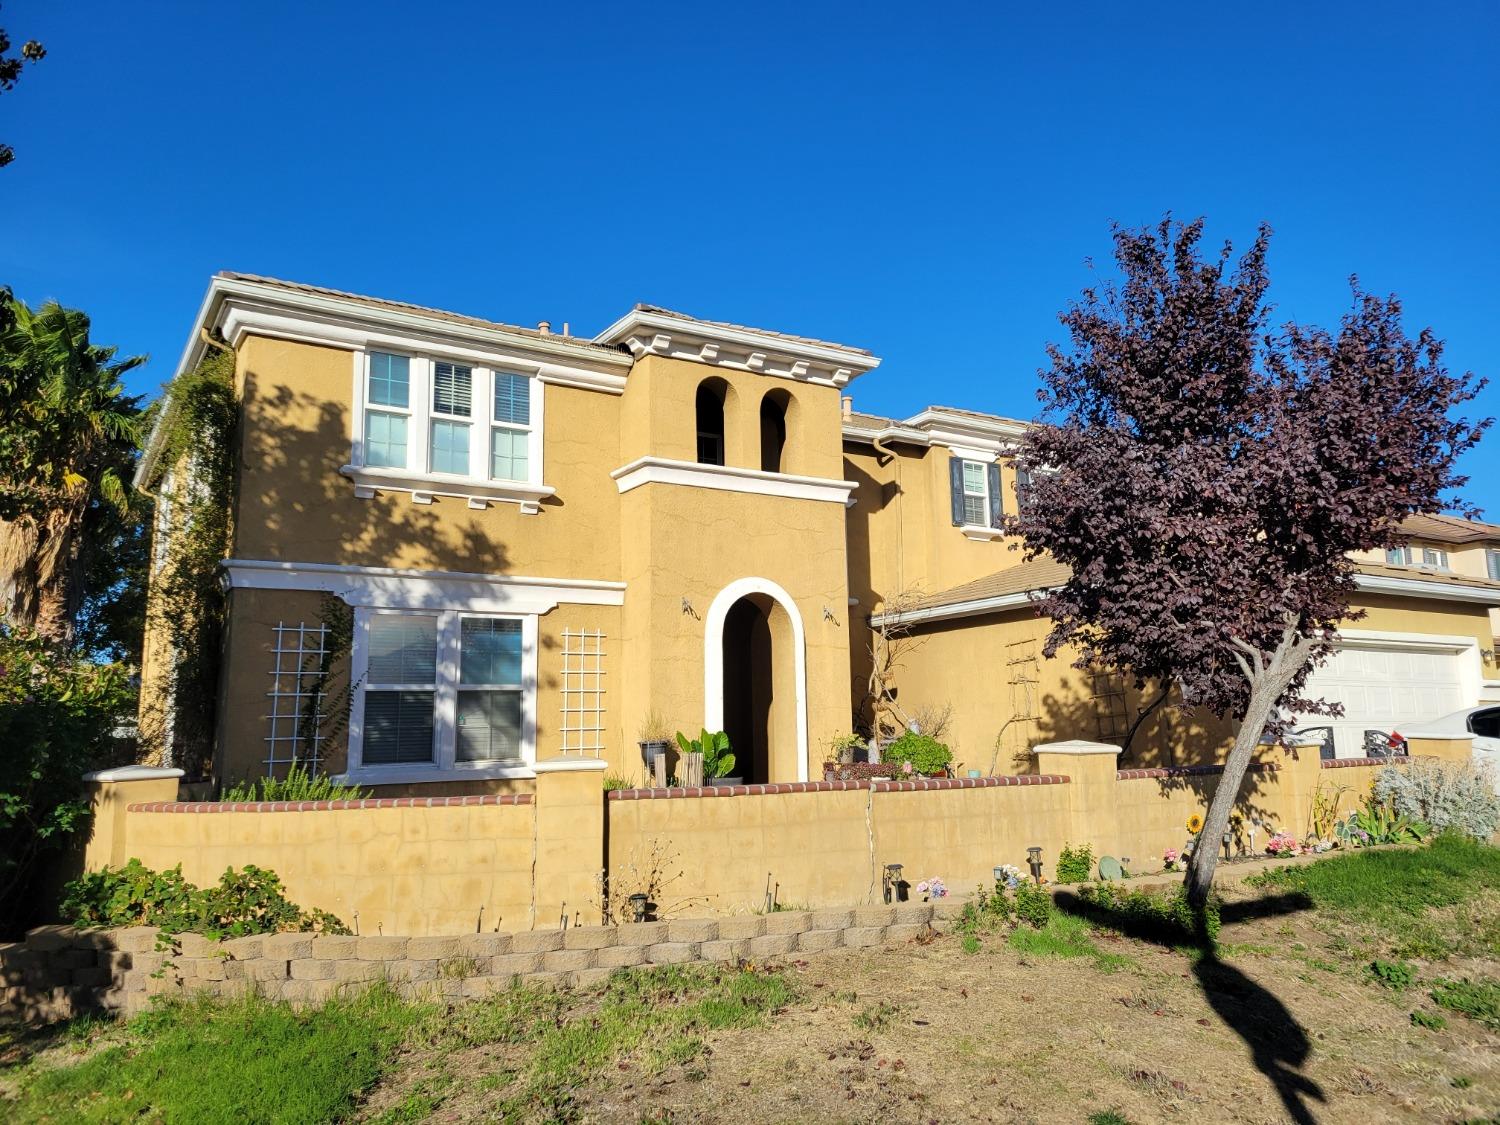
(387, 410)
(452, 408)
(708, 406)
(1434, 558)
(975, 488)
(510, 429)
(1492, 562)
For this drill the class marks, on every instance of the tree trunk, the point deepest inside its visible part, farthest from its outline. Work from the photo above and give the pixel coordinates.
(1268, 680)
(1205, 860)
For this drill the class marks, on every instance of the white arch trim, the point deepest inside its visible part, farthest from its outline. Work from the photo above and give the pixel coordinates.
(713, 656)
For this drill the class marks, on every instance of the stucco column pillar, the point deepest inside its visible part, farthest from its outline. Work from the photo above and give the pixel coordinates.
(1448, 747)
(110, 793)
(569, 840)
(1090, 767)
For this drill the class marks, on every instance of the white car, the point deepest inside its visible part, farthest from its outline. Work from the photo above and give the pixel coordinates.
(1484, 724)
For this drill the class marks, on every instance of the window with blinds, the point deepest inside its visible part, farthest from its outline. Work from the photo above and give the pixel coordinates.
(1492, 560)
(443, 689)
(976, 496)
(510, 430)
(489, 690)
(400, 689)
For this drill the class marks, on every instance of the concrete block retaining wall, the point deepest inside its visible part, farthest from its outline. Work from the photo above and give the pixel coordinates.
(59, 972)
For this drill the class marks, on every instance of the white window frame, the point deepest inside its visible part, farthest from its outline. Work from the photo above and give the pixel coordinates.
(1492, 564)
(444, 766)
(417, 476)
(1439, 561)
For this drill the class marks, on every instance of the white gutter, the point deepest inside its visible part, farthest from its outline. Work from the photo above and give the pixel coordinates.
(973, 607)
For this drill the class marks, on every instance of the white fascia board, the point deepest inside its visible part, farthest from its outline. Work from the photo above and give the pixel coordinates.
(699, 338)
(1416, 588)
(396, 588)
(972, 608)
(729, 478)
(887, 433)
(936, 421)
(1382, 638)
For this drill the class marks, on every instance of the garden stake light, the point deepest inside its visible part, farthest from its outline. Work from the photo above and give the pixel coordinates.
(890, 882)
(1034, 861)
(638, 907)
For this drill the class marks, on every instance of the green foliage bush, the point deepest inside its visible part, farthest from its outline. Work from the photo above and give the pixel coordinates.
(1075, 865)
(986, 910)
(1448, 796)
(59, 718)
(249, 901)
(718, 759)
(299, 784)
(1033, 905)
(926, 755)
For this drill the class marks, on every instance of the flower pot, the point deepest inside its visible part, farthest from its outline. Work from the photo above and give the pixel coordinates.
(724, 781)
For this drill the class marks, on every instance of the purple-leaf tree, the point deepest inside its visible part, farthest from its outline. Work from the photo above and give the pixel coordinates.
(1206, 476)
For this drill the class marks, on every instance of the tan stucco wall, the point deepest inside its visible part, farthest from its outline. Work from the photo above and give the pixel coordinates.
(293, 504)
(400, 870)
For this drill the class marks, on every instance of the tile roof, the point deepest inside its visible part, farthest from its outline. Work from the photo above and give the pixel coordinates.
(422, 310)
(747, 328)
(1448, 529)
(1420, 574)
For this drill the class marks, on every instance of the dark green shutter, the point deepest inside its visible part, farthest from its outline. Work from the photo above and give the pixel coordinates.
(992, 472)
(956, 489)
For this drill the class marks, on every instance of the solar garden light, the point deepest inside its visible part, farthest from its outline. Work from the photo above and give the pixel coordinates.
(1034, 861)
(1227, 854)
(890, 882)
(638, 906)
(999, 873)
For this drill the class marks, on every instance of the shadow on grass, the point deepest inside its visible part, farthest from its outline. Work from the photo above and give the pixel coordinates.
(1278, 1045)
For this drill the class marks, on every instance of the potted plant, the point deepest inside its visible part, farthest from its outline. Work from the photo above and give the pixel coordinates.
(919, 754)
(655, 739)
(718, 760)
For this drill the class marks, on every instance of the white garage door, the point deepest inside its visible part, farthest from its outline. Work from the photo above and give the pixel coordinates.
(1383, 688)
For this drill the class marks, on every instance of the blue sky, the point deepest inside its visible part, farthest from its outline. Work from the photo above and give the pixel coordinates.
(926, 181)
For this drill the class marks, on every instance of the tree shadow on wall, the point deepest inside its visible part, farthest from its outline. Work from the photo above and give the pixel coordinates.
(1279, 1045)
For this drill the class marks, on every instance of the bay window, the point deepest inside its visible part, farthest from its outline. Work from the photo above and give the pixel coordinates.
(441, 694)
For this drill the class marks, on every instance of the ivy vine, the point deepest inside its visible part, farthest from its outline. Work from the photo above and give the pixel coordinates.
(194, 473)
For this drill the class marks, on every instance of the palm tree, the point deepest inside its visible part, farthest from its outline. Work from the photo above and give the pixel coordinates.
(68, 437)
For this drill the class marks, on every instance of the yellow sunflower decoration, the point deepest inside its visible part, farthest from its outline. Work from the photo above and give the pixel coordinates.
(1195, 823)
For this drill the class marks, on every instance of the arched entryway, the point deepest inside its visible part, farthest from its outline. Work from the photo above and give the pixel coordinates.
(755, 679)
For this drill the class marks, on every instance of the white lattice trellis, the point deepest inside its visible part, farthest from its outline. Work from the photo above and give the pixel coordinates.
(583, 692)
(296, 718)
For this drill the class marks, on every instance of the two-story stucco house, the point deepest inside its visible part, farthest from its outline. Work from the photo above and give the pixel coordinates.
(544, 539)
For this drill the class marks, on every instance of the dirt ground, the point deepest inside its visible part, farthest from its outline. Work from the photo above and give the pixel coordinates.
(1286, 1025)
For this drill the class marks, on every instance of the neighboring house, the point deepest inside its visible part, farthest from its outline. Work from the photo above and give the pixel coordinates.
(542, 540)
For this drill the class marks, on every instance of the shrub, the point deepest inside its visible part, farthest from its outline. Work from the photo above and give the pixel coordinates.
(1075, 865)
(925, 754)
(1033, 905)
(718, 759)
(1449, 796)
(986, 910)
(249, 901)
(299, 784)
(59, 718)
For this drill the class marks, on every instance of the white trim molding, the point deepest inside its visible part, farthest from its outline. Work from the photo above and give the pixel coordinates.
(391, 588)
(423, 487)
(730, 478)
(713, 656)
(1418, 588)
(654, 332)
